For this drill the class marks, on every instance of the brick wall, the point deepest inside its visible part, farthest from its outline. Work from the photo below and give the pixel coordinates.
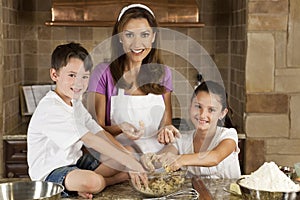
(11, 69)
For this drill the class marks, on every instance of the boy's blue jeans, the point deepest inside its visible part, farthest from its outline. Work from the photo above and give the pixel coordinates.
(58, 175)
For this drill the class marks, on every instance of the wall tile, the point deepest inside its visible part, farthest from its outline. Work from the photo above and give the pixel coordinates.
(44, 47)
(44, 5)
(44, 61)
(267, 22)
(104, 33)
(295, 116)
(30, 61)
(59, 33)
(260, 62)
(277, 7)
(29, 47)
(30, 75)
(282, 146)
(280, 49)
(267, 103)
(29, 5)
(209, 33)
(287, 80)
(86, 33)
(44, 76)
(267, 125)
(254, 155)
(195, 33)
(29, 32)
(293, 48)
(44, 33)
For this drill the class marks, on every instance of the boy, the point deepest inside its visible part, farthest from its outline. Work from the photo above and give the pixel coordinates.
(61, 125)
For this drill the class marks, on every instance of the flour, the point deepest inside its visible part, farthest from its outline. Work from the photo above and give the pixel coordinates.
(270, 178)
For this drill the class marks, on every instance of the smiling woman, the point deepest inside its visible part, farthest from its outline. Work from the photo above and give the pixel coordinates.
(136, 70)
(137, 38)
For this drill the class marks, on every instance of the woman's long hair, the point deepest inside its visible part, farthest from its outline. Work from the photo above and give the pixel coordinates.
(152, 70)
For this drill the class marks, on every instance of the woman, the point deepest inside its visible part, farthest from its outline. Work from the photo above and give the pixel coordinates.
(132, 94)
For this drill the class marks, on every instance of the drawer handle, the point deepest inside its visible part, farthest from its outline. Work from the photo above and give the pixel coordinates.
(10, 175)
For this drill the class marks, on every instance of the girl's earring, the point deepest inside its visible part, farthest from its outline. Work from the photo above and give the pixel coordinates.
(121, 41)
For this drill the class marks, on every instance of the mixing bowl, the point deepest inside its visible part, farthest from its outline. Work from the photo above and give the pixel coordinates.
(162, 184)
(29, 190)
(249, 193)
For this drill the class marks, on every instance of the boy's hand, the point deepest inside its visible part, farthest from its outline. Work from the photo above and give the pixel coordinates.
(132, 132)
(168, 134)
(136, 178)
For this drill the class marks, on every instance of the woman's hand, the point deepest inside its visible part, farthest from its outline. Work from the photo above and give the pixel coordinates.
(150, 161)
(131, 131)
(168, 134)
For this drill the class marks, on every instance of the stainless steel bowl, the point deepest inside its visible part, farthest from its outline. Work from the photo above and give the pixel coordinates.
(29, 190)
(248, 193)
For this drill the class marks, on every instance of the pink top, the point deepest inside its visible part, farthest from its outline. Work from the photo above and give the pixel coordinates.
(102, 82)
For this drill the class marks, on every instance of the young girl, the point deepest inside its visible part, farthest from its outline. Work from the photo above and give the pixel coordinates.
(131, 96)
(210, 150)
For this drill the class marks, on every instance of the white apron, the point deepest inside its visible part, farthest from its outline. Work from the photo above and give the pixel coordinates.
(135, 108)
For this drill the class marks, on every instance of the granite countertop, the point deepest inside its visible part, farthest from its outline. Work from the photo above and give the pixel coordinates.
(124, 191)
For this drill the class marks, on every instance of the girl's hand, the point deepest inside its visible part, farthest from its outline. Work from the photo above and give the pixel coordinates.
(168, 134)
(171, 162)
(136, 178)
(132, 132)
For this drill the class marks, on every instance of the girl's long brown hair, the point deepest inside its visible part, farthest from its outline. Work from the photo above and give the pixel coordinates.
(217, 89)
(152, 70)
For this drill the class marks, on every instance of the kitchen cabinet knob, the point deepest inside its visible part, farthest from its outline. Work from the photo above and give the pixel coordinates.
(10, 175)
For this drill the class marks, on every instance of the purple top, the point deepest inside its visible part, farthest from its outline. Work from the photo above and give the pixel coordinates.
(101, 81)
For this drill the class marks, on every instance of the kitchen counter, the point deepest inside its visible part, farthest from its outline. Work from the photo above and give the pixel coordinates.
(124, 191)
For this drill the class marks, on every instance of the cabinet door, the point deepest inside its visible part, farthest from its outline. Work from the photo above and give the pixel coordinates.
(16, 170)
(15, 158)
(15, 151)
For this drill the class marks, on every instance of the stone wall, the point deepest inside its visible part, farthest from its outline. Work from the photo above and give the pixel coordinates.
(272, 83)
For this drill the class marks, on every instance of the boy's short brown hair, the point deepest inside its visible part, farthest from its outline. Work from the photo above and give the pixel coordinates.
(62, 54)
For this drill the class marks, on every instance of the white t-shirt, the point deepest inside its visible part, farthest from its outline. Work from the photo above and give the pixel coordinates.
(228, 168)
(54, 133)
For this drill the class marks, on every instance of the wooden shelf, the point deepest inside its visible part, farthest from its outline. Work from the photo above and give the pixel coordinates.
(111, 24)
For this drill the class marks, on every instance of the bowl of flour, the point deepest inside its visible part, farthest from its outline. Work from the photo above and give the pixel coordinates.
(268, 183)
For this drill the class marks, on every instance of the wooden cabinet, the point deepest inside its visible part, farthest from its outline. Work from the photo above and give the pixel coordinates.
(15, 158)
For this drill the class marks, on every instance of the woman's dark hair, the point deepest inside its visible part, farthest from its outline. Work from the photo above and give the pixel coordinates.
(117, 66)
(217, 89)
(63, 53)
